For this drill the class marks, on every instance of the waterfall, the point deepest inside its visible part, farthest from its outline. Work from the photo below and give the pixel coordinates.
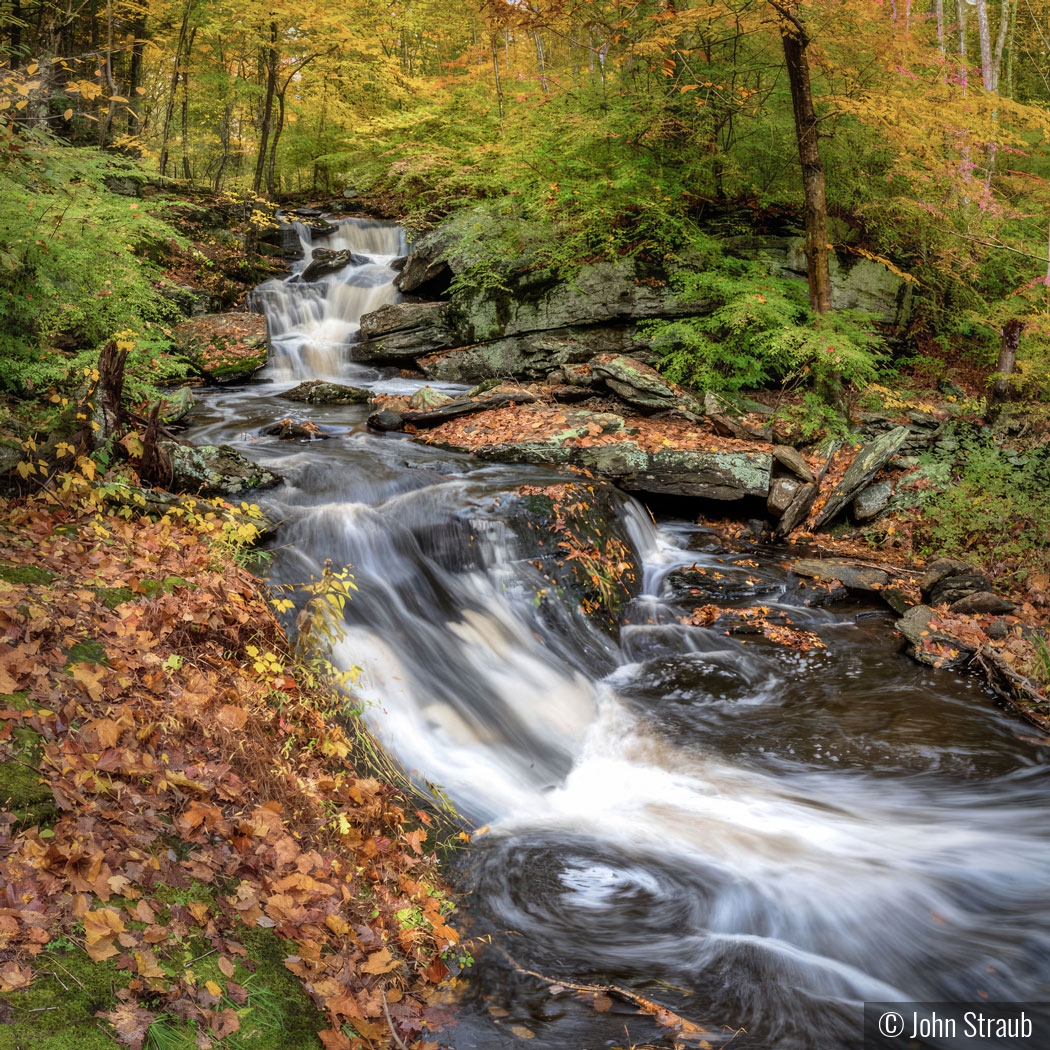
(312, 325)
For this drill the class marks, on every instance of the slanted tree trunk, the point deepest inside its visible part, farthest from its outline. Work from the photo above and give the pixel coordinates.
(793, 35)
(1002, 389)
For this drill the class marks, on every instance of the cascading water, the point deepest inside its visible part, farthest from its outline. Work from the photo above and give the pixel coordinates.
(756, 837)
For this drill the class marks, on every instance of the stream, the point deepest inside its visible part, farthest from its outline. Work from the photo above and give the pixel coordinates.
(755, 837)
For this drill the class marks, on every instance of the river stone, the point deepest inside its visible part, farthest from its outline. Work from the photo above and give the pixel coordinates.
(215, 470)
(637, 383)
(223, 347)
(982, 602)
(716, 584)
(850, 574)
(402, 330)
(319, 392)
(866, 464)
(794, 461)
(324, 261)
(872, 501)
(292, 430)
(781, 492)
(916, 627)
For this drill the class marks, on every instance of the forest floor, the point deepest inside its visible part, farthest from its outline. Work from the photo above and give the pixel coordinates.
(191, 847)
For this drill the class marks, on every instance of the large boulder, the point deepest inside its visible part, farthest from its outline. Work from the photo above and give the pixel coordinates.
(325, 261)
(223, 347)
(399, 331)
(215, 470)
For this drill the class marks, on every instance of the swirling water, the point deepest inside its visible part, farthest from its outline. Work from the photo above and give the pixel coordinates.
(755, 837)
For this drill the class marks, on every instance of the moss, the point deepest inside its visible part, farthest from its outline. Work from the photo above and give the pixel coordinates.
(21, 791)
(57, 1011)
(111, 597)
(26, 575)
(86, 652)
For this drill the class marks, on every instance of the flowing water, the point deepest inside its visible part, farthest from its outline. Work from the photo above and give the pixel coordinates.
(755, 837)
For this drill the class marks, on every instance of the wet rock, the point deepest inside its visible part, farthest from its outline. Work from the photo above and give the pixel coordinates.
(866, 464)
(224, 347)
(639, 384)
(794, 461)
(853, 575)
(324, 261)
(402, 330)
(308, 213)
(384, 419)
(319, 392)
(216, 470)
(702, 473)
(982, 602)
(781, 493)
(715, 584)
(872, 501)
(929, 644)
(291, 430)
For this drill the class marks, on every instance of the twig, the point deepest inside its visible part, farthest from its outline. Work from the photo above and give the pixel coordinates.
(72, 976)
(199, 957)
(65, 987)
(390, 1023)
(41, 1009)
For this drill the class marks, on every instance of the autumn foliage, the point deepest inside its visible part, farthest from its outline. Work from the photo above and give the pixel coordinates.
(189, 762)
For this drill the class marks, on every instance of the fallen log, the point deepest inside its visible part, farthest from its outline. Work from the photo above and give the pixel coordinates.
(387, 420)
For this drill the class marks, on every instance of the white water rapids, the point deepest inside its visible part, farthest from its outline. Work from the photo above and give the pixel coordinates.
(756, 837)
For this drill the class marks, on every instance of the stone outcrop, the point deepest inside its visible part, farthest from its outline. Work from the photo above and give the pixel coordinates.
(956, 584)
(403, 331)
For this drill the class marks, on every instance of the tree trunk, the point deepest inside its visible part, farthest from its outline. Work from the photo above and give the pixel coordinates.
(939, 9)
(267, 117)
(984, 34)
(186, 173)
(818, 271)
(173, 87)
(1002, 390)
(1005, 20)
(138, 29)
(495, 73)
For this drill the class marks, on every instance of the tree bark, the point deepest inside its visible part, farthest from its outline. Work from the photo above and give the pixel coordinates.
(793, 35)
(1002, 389)
(984, 34)
(173, 87)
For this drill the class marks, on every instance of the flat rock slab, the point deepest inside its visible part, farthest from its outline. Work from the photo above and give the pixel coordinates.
(636, 453)
(398, 331)
(224, 347)
(853, 575)
(318, 392)
(929, 644)
(866, 464)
